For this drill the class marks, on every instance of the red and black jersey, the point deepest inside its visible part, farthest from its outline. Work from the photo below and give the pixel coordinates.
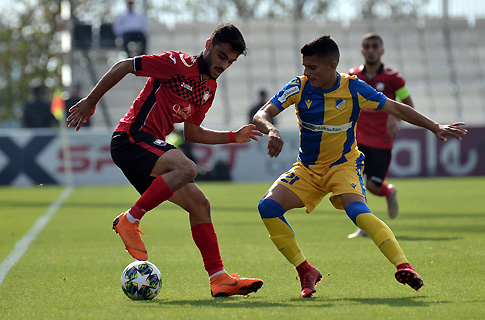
(371, 126)
(173, 93)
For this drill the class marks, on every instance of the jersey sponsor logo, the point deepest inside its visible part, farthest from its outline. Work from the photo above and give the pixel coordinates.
(159, 142)
(193, 59)
(289, 92)
(173, 58)
(325, 127)
(182, 112)
(353, 185)
(340, 104)
(308, 103)
(186, 86)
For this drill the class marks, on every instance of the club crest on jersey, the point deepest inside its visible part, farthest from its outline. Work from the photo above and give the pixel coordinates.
(308, 103)
(159, 142)
(380, 86)
(340, 104)
(206, 96)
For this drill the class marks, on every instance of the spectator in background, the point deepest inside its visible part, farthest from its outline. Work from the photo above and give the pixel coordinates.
(75, 96)
(132, 27)
(263, 98)
(37, 112)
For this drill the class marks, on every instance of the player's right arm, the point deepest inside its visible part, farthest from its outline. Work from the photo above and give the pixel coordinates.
(85, 108)
(262, 120)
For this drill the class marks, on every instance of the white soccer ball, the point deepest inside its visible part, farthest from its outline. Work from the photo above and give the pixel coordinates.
(141, 280)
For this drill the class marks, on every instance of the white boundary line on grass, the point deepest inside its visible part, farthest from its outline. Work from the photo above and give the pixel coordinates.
(22, 245)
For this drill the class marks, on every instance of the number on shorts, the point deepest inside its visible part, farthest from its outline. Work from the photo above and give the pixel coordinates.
(292, 177)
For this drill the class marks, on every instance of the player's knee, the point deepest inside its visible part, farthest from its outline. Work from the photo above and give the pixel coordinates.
(204, 204)
(188, 170)
(356, 208)
(269, 208)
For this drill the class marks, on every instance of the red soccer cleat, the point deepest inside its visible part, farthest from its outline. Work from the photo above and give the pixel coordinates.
(407, 275)
(308, 282)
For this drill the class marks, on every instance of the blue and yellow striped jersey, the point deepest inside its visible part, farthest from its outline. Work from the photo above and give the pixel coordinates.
(327, 118)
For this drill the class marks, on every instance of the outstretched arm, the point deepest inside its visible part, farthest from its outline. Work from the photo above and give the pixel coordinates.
(84, 109)
(262, 120)
(198, 134)
(412, 116)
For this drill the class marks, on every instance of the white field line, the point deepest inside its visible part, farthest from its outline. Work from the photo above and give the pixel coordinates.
(22, 245)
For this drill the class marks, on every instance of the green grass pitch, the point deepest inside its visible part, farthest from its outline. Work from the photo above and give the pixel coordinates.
(72, 269)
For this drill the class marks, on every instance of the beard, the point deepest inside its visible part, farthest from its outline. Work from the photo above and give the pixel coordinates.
(372, 62)
(211, 70)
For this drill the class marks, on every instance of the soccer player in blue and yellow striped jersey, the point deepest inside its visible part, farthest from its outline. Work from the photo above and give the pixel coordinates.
(327, 105)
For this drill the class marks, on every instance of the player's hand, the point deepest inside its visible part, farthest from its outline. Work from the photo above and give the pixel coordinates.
(80, 113)
(275, 143)
(451, 130)
(392, 126)
(247, 133)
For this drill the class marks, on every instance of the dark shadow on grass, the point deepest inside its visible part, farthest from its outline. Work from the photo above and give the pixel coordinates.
(393, 302)
(409, 238)
(238, 302)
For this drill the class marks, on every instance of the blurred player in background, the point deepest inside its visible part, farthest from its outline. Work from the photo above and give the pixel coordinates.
(180, 89)
(327, 105)
(376, 129)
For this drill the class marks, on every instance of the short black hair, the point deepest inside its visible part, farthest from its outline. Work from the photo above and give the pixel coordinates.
(229, 33)
(372, 35)
(323, 47)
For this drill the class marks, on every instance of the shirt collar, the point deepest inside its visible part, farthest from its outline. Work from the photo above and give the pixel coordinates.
(381, 68)
(202, 66)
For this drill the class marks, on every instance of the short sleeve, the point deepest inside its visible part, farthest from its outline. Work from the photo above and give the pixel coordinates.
(369, 98)
(159, 66)
(288, 95)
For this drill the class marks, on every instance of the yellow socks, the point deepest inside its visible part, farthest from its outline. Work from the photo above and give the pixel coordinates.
(284, 239)
(280, 231)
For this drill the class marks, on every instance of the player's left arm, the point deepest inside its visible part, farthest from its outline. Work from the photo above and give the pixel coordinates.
(408, 114)
(198, 134)
(392, 125)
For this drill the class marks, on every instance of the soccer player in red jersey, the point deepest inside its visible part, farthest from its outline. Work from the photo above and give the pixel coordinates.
(180, 89)
(376, 129)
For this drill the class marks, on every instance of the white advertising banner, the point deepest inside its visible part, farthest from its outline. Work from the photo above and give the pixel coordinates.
(33, 157)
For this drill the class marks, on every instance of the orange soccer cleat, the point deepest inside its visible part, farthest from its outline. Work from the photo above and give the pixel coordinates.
(130, 234)
(224, 285)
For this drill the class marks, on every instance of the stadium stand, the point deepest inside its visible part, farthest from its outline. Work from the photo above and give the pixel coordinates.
(441, 60)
